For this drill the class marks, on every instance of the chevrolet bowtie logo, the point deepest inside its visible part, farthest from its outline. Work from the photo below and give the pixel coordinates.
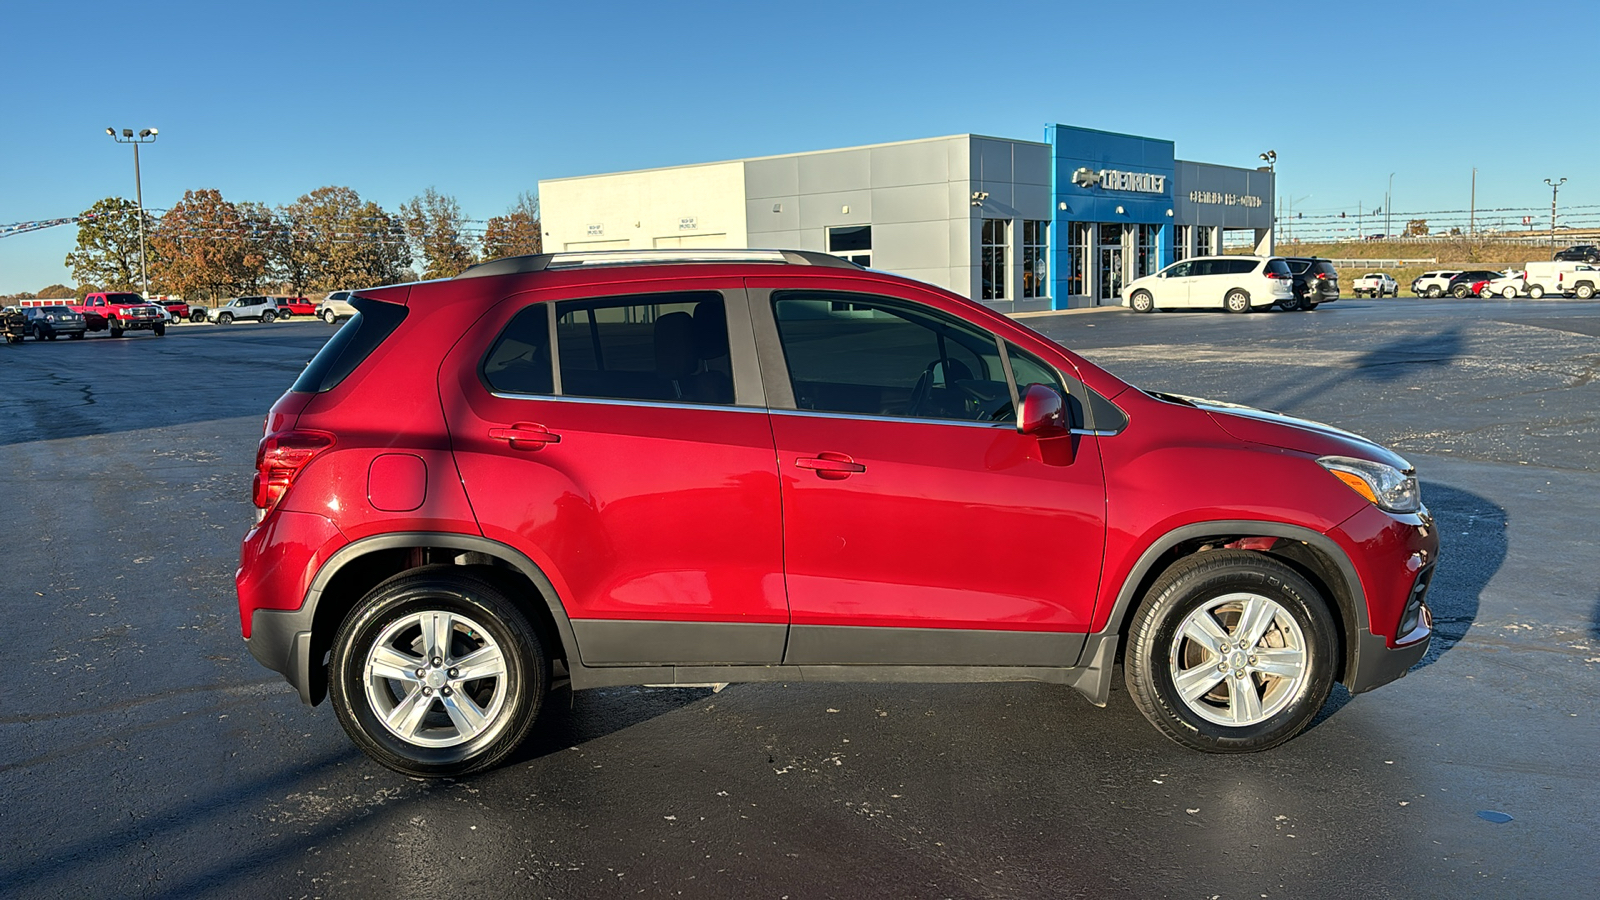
(1086, 178)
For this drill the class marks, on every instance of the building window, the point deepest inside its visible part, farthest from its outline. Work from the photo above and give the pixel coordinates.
(1077, 259)
(1180, 241)
(1205, 241)
(1035, 259)
(1149, 250)
(851, 242)
(995, 234)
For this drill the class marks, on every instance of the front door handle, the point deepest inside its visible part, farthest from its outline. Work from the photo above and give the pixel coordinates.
(829, 465)
(525, 436)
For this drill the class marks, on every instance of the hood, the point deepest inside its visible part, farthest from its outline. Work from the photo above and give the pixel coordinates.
(1260, 426)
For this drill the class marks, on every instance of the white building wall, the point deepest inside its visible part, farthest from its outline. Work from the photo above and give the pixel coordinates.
(684, 206)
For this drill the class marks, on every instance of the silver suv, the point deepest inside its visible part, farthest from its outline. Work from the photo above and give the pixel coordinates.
(262, 309)
(335, 307)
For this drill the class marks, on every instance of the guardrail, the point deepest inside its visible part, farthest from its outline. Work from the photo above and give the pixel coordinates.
(1379, 263)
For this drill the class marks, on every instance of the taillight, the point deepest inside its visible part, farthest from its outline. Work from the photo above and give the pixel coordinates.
(1278, 275)
(279, 458)
(1322, 276)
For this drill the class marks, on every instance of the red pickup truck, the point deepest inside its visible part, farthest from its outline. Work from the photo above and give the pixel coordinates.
(121, 311)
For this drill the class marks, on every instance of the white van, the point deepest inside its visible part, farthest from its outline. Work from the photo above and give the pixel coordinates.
(1563, 278)
(1235, 283)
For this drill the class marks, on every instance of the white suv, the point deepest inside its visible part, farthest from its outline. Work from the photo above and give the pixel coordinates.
(335, 307)
(1433, 284)
(1235, 283)
(262, 309)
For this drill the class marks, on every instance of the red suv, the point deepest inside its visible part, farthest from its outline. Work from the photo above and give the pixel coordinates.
(676, 469)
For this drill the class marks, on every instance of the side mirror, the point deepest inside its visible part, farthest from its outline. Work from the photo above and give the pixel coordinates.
(1044, 413)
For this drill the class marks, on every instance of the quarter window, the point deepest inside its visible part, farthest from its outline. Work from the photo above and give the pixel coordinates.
(886, 357)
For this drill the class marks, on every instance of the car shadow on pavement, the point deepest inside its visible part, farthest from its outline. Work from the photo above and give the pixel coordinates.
(1394, 362)
(1472, 547)
(570, 718)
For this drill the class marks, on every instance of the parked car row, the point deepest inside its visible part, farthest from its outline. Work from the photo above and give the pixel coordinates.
(1563, 278)
(122, 311)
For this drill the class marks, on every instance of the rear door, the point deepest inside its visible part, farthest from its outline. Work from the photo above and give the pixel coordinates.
(620, 440)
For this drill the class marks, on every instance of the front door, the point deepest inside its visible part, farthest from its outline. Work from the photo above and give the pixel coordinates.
(631, 471)
(920, 528)
(1110, 264)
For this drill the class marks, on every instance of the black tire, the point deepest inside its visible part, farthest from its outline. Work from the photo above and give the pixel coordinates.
(225, 319)
(1308, 306)
(329, 316)
(197, 316)
(1435, 292)
(38, 334)
(1237, 301)
(115, 331)
(1182, 595)
(1461, 292)
(160, 328)
(267, 316)
(1142, 302)
(437, 746)
(1293, 304)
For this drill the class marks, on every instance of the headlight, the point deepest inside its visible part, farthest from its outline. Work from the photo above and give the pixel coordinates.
(1385, 486)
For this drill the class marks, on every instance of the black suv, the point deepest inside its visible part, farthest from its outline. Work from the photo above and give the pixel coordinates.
(1316, 281)
(1582, 253)
(1460, 286)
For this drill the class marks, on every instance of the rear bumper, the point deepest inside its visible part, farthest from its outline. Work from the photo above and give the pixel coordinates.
(277, 561)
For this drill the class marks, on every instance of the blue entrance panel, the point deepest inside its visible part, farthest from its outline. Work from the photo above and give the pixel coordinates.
(1096, 173)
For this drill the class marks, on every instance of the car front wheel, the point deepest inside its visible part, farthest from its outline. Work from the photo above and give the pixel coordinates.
(1231, 652)
(225, 319)
(1141, 301)
(437, 673)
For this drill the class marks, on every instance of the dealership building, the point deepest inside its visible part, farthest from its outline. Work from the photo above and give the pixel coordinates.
(1017, 225)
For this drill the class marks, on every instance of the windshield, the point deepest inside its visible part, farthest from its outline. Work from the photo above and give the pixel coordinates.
(124, 298)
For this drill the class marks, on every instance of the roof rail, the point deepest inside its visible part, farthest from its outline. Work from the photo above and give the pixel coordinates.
(520, 265)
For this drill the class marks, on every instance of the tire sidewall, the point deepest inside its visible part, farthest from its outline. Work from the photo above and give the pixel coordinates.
(1142, 302)
(1243, 305)
(527, 673)
(1171, 600)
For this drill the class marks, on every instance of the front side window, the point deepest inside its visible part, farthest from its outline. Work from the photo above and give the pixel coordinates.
(886, 357)
(1180, 270)
(992, 253)
(1035, 259)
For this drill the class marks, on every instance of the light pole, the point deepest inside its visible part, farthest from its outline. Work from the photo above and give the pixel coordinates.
(1271, 159)
(145, 136)
(1388, 207)
(1555, 188)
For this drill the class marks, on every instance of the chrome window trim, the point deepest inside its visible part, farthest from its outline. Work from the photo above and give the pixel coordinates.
(1089, 432)
(615, 401)
(858, 417)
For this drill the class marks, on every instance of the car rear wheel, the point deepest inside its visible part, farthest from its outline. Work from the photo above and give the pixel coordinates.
(160, 328)
(1460, 292)
(1536, 292)
(267, 316)
(329, 317)
(1434, 292)
(1237, 301)
(1584, 291)
(1231, 651)
(1508, 292)
(437, 673)
(1308, 306)
(1293, 304)
(1141, 301)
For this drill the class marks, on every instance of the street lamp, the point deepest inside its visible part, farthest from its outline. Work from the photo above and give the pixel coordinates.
(1555, 187)
(145, 136)
(1271, 159)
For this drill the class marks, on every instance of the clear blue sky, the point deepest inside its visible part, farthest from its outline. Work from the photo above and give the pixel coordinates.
(268, 101)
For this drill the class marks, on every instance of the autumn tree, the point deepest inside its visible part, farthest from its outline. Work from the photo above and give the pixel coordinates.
(1417, 228)
(347, 243)
(290, 251)
(55, 292)
(437, 232)
(107, 252)
(210, 248)
(517, 232)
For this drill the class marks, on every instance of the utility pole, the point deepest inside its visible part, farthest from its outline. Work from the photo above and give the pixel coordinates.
(145, 136)
(1472, 210)
(1388, 207)
(1555, 187)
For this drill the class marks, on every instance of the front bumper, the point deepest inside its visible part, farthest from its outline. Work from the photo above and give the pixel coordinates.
(1395, 558)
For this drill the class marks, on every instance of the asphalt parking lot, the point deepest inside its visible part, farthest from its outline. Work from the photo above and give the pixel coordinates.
(142, 751)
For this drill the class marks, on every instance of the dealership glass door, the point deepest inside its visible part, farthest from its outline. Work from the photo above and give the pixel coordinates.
(1110, 264)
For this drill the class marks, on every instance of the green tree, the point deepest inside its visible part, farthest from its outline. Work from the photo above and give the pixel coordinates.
(211, 248)
(516, 233)
(290, 251)
(349, 244)
(107, 252)
(437, 232)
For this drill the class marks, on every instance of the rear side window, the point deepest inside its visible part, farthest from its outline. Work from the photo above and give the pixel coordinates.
(671, 347)
(1277, 267)
(373, 322)
(1246, 266)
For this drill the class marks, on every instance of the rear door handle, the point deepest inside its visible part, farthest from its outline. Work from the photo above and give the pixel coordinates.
(833, 466)
(525, 436)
